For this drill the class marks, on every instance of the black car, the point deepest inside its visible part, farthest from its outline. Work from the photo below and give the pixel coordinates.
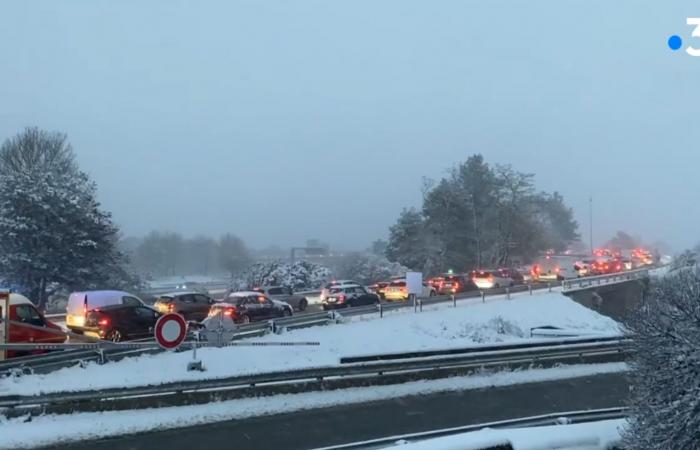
(244, 307)
(454, 283)
(192, 305)
(349, 296)
(121, 322)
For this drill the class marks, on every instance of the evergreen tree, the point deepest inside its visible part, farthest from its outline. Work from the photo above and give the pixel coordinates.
(52, 229)
(666, 363)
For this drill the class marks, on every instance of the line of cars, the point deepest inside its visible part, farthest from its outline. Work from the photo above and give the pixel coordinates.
(119, 316)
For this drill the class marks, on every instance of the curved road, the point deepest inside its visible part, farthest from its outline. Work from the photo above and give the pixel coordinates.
(348, 423)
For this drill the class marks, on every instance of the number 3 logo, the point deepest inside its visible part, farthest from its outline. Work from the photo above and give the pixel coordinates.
(696, 33)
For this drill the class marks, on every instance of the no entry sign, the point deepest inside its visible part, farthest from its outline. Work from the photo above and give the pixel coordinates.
(171, 330)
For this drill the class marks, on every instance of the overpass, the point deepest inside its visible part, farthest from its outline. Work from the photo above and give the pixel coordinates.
(613, 295)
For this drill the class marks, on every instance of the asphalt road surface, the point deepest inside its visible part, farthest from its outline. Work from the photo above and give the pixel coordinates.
(350, 423)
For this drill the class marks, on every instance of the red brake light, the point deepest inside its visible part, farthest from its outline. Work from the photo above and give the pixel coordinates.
(341, 298)
(170, 307)
(556, 269)
(228, 312)
(103, 322)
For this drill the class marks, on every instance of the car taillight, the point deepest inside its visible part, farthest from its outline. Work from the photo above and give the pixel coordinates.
(103, 322)
(170, 307)
(341, 298)
(228, 312)
(556, 269)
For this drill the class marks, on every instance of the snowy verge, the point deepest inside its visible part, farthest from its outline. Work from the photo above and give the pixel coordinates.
(52, 429)
(438, 327)
(600, 435)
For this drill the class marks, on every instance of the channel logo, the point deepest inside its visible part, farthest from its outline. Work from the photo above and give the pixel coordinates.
(675, 42)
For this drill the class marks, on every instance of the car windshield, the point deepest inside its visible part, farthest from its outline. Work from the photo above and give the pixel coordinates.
(398, 283)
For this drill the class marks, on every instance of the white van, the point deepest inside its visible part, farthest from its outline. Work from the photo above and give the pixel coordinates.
(554, 267)
(79, 303)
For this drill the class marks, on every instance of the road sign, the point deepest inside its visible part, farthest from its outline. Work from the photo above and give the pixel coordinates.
(414, 282)
(171, 330)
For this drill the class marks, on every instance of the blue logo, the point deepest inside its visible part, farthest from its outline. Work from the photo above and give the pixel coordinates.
(675, 42)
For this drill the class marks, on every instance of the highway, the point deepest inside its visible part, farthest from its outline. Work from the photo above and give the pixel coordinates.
(343, 424)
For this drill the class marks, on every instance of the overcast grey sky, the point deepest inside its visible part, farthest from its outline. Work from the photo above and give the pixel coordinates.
(285, 120)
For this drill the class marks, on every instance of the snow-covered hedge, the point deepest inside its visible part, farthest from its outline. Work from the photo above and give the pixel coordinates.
(301, 274)
(368, 268)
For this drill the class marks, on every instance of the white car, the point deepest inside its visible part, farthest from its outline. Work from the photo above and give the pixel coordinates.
(337, 284)
(487, 279)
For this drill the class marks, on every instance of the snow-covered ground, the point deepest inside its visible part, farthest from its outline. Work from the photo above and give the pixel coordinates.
(437, 327)
(52, 429)
(600, 435)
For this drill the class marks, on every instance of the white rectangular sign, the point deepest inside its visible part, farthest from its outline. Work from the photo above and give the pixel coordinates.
(414, 282)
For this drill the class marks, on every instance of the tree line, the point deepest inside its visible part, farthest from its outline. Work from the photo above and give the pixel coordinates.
(163, 253)
(480, 216)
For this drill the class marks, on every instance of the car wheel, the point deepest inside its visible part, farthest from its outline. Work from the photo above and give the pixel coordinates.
(432, 293)
(303, 304)
(245, 319)
(497, 285)
(115, 336)
(287, 312)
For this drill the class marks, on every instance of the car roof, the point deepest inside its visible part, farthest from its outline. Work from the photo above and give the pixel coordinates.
(178, 294)
(243, 294)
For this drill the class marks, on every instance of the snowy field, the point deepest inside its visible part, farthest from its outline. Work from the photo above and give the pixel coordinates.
(53, 429)
(438, 327)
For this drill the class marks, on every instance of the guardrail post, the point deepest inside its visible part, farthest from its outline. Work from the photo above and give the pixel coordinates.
(508, 293)
(381, 309)
(420, 305)
(454, 300)
(101, 351)
(272, 326)
(529, 288)
(549, 286)
(415, 304)
(483, 296)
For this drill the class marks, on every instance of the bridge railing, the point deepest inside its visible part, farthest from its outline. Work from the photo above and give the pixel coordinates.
(578, 284)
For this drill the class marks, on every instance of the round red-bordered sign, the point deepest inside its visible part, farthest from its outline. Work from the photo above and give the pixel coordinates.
(170, 331)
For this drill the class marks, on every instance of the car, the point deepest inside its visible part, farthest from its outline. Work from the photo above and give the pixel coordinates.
(398, 290)
(349, 296)
(248, 306)
(488, 279)
(191, 305)
(39, 331)
(606, 265)
(513, 274)
(554, 268)
(80, 303)
(337, 283)
(285, 294)
(453, 283)
(120, 322)
(380, 288)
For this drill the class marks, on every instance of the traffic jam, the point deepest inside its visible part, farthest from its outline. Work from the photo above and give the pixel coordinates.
(119, 316)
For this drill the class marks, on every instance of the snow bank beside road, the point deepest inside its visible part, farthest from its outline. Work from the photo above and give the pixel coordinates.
(437, 327)
(600, 435)
(53, 429)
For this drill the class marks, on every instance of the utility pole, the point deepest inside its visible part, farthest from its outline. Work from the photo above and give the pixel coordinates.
(590, 221)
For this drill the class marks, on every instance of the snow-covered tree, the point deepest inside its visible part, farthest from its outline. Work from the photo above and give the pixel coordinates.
(368, 268)
(666, 365)
(233, 254)
(301, 274)
(52, 229)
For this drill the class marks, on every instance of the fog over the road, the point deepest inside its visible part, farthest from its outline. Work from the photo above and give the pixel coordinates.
(281, 121)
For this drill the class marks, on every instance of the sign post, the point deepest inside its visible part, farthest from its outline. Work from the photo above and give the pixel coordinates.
(414, 285)
(5, 316)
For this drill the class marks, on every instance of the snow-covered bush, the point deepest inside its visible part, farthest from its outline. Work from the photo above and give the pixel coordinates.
(368, 268)
(301, 274)
(666, 365)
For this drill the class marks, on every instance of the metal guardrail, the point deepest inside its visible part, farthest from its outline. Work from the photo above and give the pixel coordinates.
(557, 418)
(310, 379)
(578, 284)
